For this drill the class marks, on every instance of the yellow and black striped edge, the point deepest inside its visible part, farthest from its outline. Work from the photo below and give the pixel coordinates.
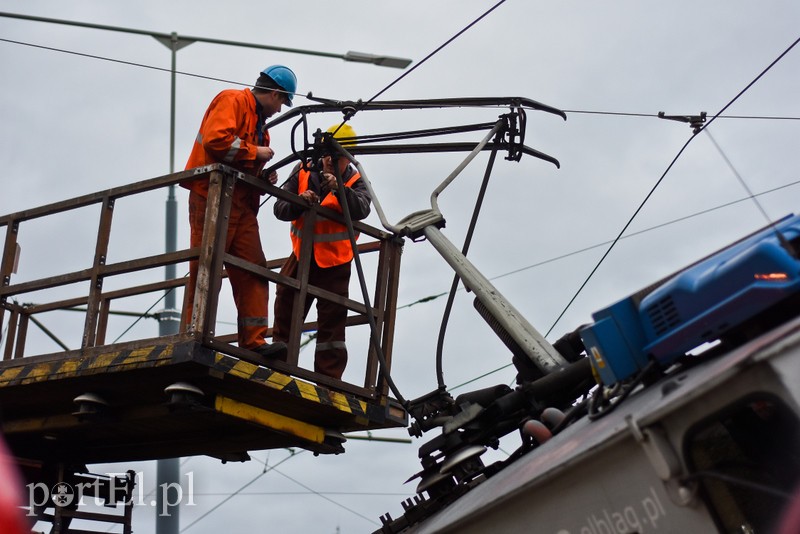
(35, 370)
(21, 372)
(284, 383)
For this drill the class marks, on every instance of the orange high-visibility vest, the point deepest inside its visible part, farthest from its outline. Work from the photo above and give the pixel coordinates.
(331, 241)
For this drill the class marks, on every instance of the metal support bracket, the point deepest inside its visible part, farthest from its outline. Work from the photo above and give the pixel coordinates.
(695, 121)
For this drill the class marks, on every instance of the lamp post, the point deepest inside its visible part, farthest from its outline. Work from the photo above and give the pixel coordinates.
(359, 57)
(168, 470)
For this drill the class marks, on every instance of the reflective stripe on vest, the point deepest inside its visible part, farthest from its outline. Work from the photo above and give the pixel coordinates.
(331, 240)
(233, 150)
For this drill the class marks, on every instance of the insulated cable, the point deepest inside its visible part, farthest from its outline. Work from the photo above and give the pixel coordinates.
(464, 250)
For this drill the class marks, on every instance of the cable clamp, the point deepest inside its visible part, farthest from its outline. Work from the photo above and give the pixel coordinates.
(695, 121)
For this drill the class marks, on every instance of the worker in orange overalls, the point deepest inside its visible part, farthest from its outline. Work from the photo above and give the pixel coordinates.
(233, 133)
(333, 254)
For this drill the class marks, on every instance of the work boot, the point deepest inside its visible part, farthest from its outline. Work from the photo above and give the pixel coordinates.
(276, 351)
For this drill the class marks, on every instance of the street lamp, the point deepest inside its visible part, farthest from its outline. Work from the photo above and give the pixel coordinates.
(360, 57)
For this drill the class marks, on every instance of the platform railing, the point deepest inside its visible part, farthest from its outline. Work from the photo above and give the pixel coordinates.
(97, 304)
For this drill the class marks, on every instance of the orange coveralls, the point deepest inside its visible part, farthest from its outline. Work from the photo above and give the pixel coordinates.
(229, 134)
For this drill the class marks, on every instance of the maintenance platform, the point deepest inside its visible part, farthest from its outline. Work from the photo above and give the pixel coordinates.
(194, 392)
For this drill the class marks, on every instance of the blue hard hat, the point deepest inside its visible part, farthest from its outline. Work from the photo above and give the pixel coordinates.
(285, 78)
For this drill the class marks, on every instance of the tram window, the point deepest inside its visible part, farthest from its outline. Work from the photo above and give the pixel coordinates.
(747, 461)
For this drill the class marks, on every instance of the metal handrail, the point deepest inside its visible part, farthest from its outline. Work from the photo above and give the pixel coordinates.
(98, 303)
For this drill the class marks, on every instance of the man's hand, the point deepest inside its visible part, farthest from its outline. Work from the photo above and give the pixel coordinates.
(330, 180)
(309, 196)
(272, 178)
(264, 153)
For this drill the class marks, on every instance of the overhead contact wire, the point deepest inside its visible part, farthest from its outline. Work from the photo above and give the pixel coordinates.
(129, 63)
(243, 84)
(266, 470)
(658, 182)
(426, 58)
(597, 245)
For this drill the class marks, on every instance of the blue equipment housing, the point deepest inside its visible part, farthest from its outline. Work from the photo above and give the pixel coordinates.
(700, 304)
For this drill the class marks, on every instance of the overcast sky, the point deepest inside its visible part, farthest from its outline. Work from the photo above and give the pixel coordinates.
(73, 125)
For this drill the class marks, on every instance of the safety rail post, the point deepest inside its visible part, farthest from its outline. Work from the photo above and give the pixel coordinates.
(13, 322)
(379, 303)
(210, 261)
(22, 333)
(102, 321)
(9, 259)
(96, 281)
(300, 296)
(386, 304)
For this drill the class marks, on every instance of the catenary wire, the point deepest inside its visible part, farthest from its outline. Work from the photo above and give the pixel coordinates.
(130, 63)
(498, 369)
(597, 245)
(340, 505)
(437, 50)
(142, 315)
(266, 470)
(655, 115)
(243, 84)
(308, 491)
(736, 173)
(661, 179)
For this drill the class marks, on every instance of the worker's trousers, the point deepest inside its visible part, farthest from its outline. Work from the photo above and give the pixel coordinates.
(330, 357)
(250, 292)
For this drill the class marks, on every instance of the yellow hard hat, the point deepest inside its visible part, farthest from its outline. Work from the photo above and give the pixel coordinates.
(343, 131)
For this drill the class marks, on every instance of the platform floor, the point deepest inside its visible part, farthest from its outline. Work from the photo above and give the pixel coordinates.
(243, 406)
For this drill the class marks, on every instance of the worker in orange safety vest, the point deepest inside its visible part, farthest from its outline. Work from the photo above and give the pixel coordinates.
(331, 261)
(233, 133)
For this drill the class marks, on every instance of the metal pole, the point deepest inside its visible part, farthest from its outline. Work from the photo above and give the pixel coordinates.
(168, 471)
(174, 49)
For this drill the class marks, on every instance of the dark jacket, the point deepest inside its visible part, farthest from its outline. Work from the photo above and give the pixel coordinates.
(358, 197)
